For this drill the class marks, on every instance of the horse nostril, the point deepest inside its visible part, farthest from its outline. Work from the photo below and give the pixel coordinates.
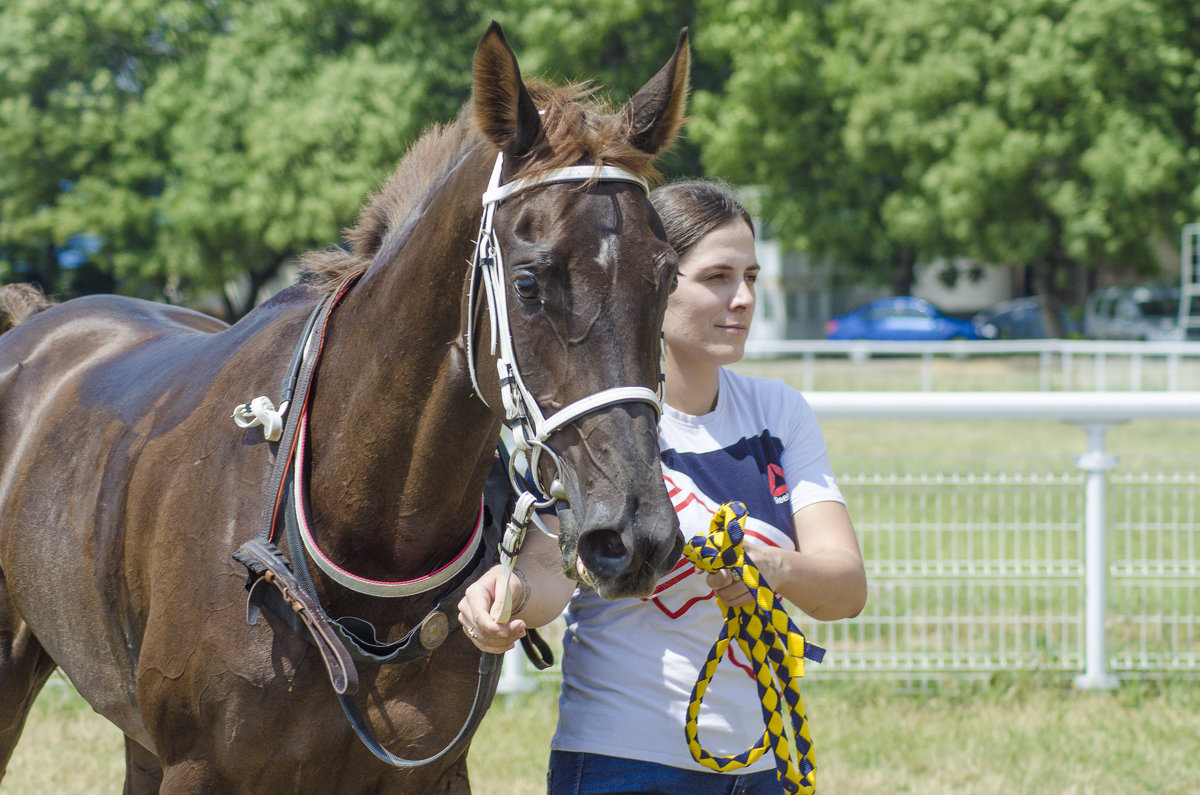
(603, 551)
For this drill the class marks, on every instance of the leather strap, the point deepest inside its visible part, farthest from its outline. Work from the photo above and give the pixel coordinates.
(267, 568)
(485, 689)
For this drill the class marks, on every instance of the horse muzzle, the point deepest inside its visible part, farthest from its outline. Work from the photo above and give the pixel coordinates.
(620, 561)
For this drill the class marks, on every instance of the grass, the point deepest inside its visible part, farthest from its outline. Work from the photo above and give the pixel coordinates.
(1029, 733)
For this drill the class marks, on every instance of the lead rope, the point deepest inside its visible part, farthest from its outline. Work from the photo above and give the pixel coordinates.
(776, 649)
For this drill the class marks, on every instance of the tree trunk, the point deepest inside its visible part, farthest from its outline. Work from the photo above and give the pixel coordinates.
(1043, 283)
(906, 261)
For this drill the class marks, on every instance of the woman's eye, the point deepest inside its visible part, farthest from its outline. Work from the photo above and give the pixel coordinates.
(527, 288)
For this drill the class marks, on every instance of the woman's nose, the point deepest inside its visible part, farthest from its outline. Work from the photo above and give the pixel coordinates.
(744, 297)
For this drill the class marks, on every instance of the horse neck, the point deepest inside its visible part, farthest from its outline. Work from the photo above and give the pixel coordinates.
(401, 447)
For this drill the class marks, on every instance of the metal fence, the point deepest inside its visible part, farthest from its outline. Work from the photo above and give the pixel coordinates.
(978, 564)
(1035, 365)
(983, 563)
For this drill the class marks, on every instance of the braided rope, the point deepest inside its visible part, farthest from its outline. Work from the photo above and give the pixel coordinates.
(776, 649)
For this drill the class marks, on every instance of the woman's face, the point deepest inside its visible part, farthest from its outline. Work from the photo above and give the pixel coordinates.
(709, 312)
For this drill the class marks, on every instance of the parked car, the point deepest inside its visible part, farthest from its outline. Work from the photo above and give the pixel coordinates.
(1018, 319)
(899, 318)
(1132, 313)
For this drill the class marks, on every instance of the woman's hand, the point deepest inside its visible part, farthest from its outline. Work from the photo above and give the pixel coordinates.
(479, 608)
(732, 592)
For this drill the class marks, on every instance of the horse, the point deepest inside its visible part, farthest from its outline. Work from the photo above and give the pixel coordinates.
(125, 487)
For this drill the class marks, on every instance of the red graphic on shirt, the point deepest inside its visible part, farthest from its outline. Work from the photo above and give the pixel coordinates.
(775, 480)
(684, 569)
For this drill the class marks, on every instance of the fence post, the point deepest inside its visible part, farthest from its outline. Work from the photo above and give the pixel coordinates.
(513, 675)
(1096, 463)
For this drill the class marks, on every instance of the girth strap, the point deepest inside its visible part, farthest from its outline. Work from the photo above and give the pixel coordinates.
(287, 599)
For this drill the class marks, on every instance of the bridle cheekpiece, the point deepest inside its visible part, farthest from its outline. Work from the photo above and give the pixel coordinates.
(530, 427)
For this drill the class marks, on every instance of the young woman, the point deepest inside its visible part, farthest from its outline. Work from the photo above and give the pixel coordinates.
(629, 665)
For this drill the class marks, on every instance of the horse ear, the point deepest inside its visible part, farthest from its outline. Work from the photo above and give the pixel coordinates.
(656, 112)
(504, 111)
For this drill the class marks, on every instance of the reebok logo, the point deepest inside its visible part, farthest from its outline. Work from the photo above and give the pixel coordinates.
(777, 484)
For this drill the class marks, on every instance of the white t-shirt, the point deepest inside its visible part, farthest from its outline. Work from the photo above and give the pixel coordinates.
(629, 665)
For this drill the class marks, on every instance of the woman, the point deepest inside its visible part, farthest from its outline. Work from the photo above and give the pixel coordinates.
(629, 665)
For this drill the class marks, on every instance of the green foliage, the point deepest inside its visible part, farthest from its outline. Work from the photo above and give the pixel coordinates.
(614, 44)
(202, 142)
(1018, 131)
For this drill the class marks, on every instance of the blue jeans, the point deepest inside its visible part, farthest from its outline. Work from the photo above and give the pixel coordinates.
(573, 773)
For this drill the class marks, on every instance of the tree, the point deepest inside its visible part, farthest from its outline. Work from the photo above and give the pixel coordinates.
(779, 122)
(616, 45)
(221, 145)
(1049, 133)
(72, 70)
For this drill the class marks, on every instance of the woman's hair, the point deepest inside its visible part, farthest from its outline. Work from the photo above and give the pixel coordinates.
(690, 210)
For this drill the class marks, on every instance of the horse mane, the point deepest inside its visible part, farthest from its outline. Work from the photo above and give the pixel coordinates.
(577, 128)
(20, 301)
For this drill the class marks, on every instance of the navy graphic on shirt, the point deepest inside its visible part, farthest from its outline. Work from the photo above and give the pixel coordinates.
(748, 470)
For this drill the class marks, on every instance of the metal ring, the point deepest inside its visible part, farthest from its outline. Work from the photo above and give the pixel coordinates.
(518, 483)
(539, 446)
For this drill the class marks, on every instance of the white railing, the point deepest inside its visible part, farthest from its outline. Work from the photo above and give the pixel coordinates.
(1061, 364)
(1038, 575)
(980, 563)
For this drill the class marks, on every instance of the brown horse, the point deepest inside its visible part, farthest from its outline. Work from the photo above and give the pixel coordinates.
(125, 487)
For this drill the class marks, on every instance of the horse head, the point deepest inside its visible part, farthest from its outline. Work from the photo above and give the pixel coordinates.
(586, 270)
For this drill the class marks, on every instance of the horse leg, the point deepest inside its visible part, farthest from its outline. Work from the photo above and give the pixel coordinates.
(143, 771)
(24, 668)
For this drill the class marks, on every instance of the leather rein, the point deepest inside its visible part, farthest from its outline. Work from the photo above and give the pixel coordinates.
(288, 590)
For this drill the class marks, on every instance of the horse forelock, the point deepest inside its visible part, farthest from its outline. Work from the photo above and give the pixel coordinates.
(581, 128)
(578, 128)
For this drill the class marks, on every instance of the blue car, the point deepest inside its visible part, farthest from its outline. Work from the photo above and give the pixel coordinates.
(900, 318)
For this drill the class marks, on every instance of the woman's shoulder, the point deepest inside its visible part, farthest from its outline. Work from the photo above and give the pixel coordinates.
(765, 391)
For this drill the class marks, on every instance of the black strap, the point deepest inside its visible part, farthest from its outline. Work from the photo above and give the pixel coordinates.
(485, 689)
(360, 636)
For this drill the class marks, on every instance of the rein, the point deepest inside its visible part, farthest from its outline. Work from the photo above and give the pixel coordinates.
(290, 593)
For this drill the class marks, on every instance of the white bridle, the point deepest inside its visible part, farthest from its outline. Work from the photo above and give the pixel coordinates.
(522, 415)
(529, 426)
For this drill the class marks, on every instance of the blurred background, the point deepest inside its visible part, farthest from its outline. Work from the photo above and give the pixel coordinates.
(995, 200)
(966, 153)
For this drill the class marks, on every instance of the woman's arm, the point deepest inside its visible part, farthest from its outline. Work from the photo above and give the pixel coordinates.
(824, 576)
(549, 591)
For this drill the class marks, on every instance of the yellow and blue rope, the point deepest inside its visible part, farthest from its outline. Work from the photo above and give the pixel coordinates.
(776, 649)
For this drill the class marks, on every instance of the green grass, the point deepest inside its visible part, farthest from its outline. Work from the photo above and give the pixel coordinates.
(1031, 735)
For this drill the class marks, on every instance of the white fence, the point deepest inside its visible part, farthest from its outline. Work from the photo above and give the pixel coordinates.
(1088, 566)
(1054, 365)
(981, 563)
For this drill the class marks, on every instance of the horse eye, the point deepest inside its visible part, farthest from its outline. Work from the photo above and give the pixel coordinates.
(527, 288)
